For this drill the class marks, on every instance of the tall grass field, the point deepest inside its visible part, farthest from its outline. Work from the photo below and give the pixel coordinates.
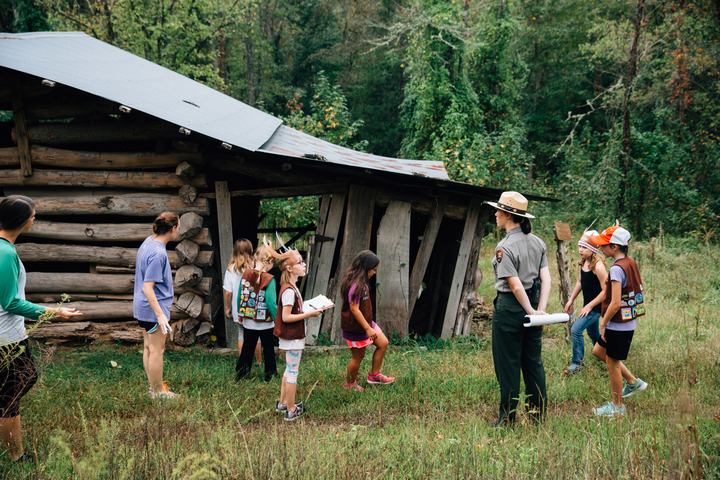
(88, 419)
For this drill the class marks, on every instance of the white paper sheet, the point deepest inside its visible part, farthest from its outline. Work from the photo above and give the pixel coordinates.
(535, 320)
(321, 302)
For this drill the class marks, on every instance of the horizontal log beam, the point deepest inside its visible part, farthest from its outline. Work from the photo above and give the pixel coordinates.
(102, 232)
(106, 310)
(296, 191)
(76, 297)
(53, 282)
(83, 331)
(99, 132)
(55, 157)
(116, 256)
(97, 179)
(109, 203)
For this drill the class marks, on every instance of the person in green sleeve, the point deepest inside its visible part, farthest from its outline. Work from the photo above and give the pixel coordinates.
(522, 281)
(17, 369)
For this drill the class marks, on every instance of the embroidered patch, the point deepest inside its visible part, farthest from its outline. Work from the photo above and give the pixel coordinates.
(499, 256)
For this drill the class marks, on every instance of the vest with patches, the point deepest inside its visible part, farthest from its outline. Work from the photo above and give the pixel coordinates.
(251, 300)
(632, 296)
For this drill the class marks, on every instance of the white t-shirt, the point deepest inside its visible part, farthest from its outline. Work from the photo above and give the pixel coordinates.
(288, 298)
(231, 283)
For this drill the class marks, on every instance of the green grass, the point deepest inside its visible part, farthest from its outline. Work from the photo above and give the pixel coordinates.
(86, 419)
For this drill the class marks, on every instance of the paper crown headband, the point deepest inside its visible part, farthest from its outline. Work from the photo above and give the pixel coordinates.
(287, 257)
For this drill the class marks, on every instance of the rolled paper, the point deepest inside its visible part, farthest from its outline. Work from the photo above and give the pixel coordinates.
(535, 320)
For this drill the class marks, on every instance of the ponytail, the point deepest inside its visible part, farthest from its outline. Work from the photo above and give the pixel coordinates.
(524, 222)
(165, 222)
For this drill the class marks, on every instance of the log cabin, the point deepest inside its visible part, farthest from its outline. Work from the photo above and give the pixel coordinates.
(103, 141)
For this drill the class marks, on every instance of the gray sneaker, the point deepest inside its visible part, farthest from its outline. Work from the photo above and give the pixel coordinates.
(280, 407)
(573, 368)
(297, 413)
(630, 390)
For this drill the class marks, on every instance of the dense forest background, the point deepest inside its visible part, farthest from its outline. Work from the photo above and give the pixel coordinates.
(611, 106)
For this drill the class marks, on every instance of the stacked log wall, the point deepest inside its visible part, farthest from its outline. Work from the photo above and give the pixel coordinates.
(97, 191)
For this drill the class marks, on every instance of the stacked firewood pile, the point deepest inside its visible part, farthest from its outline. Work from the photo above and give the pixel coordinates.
(94, 209)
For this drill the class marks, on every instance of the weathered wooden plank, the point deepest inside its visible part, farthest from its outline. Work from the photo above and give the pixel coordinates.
(393, 248)
(356, 237)
(76, 297)
(55, 157)
(294, 191)
(105, 310)
(99, 132)
(225, 238)
(109, 203)
(562, 231)
(473, 276)
(422, 258)
(84, 331)
(96, 179)
(461, 264)
(102, 232)
(324, 253)
(117, 256)
(23, 142)
(52, 282)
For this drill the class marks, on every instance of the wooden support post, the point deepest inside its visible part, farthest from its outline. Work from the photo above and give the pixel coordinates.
(225, 237)
(393, 247)
(356, 237)
(23, 141)
(329, 220)
(562, 235)
(461, 265)
(424, 252)
(473, 276)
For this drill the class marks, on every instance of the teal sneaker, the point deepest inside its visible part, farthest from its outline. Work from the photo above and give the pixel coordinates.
(630, 390)
(609, 410)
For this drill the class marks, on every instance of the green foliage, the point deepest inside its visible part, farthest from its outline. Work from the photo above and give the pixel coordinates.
(18, 16)
(509, 94)
(327, 116)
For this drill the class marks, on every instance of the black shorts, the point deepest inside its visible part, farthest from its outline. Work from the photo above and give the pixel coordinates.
(616, 343)
(17, 376)
(149, 327)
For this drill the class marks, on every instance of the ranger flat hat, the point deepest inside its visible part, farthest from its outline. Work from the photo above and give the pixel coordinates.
(512, 202)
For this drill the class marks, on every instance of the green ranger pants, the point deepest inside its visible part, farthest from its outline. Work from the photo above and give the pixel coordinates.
(517, 348)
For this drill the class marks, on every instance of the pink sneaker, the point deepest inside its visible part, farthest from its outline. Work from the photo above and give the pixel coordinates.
(379, 379)
(354, 387)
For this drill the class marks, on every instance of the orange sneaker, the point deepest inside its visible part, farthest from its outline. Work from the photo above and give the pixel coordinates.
(164, 394)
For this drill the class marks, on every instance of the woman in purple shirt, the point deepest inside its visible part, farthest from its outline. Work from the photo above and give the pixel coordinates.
(153, 298)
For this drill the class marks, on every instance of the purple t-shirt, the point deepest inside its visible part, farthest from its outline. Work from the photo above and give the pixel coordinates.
(617, 274)
(152, 265)
(357, 297)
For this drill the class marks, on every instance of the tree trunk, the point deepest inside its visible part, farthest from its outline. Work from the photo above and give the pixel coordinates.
(626, 140)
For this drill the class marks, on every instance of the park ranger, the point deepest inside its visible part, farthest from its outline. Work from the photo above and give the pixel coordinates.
(522, 281)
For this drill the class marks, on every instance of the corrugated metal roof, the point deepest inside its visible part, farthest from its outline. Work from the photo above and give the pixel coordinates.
(90, 65)
(290, 142)
(85, 63)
